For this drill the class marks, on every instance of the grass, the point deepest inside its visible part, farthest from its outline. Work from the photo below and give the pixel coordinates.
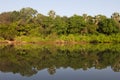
(92, 38)
(101, 38)
(28, 39)
(2, 40)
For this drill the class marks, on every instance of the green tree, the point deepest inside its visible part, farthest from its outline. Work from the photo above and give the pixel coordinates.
(60, 25)
(76, 24)
(5, 18)
(8, 32)
(27, 12)
(108, 26)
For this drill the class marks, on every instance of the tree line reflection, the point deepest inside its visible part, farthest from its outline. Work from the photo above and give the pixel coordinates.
(28, 60)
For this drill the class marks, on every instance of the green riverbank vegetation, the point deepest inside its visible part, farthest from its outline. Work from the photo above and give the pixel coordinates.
(27, 25)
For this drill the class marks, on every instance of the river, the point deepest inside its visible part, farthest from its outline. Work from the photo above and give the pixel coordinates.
(60, 62)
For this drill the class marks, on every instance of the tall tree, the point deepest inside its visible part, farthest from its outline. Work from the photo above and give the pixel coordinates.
(52, 14)
(116, 16)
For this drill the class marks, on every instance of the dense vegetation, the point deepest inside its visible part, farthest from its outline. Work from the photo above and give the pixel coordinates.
(29, 59)
(29, 25)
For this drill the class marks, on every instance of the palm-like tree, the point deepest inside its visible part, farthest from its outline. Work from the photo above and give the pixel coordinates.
(52, 14)
(116, 16)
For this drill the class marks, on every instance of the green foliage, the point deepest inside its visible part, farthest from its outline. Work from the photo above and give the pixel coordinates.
(108, 26)
(76, 24)
(28, 22)
(60, 25)
(29, 39)
(8, 32)
(27, 13)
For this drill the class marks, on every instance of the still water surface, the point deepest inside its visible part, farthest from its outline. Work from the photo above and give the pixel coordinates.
(66, 62)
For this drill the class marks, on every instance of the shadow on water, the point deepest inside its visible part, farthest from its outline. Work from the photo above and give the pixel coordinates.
(28, 60)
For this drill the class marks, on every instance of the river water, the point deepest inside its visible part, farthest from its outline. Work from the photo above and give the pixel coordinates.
(60, 62)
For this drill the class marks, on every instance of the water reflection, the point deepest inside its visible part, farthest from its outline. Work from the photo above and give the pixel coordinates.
(28, 60)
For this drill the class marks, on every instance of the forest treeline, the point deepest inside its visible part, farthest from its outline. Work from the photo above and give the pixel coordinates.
(28, 22)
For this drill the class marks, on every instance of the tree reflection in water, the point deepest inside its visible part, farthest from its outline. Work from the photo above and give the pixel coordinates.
(29, 59)
(52, 70)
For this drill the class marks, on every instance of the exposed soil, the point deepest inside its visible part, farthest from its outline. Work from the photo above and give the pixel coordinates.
(58, 42)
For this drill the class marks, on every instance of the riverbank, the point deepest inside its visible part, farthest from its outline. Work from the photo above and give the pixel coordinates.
(65, 39)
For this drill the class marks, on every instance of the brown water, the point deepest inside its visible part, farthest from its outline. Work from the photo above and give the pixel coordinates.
(67, 62)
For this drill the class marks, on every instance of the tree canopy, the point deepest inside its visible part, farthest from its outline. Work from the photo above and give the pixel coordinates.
(28, 22)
